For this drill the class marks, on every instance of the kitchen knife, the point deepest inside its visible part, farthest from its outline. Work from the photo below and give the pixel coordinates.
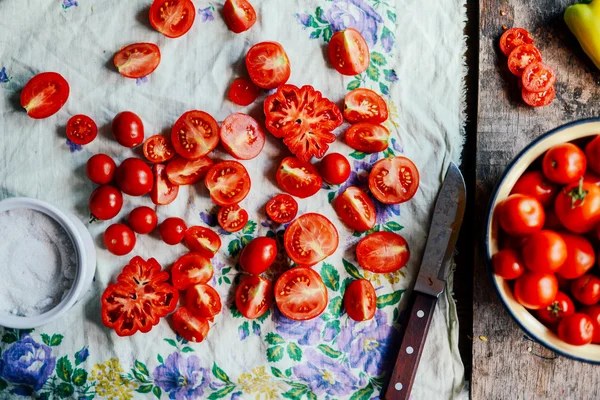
(445, 226)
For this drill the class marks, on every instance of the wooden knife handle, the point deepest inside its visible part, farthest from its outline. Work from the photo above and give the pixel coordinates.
(407, 361)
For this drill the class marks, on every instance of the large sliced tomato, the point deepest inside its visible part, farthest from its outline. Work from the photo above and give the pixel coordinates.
(382, 252)
(355, 208)
(139, 299)
(310, 238)
(512, 38)
(239, 15)
(254, 296)
(164, 191)
(158, 149)
(232, 218)
(298, 178)
(195, 134)
(538, 77)
(182, 171)
(189, 326)
(523, 56)
(81, 129)
(394, 180)
(190, 269)
(228, 182)
(364, 105)
(360, 300)
(282, 208)
(172, 18)
(348, 52)
(268, 65)
(301, 294)
(203, 300)
(137, 60)
(44, 95)
(367, 137)
(202, 240)
(242, 136)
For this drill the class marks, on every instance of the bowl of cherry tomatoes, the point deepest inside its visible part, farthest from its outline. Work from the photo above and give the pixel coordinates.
(542, 239)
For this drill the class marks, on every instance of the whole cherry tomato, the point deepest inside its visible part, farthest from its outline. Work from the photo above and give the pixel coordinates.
(577, 207)
(592, 151)
(100, 169)
(243, 92)
(594, 313)
(564, 163)
(128, 129)
(586, 289)
(507, 264)
(561, 307)
(335, 168)
(521, 215)
(544, 251)
(535, 184)
(576, 329)
(119, 239)
(142, 220)
(172, 230)
(105, 202)
(258, 255)
(580, 256)
(535, 290)
(134, 177)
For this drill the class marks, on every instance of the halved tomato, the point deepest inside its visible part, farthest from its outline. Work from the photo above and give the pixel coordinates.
(355, 208)
(232, 218)
(382, 252)
(242, 136)
(538, 77)
(367, 137)
(191, 269)
(44, 95)
(182, 171)
(282, 208)
(394, 180)
(81, 129)
(348, 52)
(243, 92)
(298, 178)
(228, 182)
(164, 191)
(137, 60)
(364, 105)
(239, 15)
(172, 18)
(203, 300)
(195, 134)
(512, 38)
(268, 65)
(523, 56)
(310, 238)
(202, 240)
(254, 296)
(360, 300)
(301, 294)
(158, 149)
(541, 99)
(189, 326)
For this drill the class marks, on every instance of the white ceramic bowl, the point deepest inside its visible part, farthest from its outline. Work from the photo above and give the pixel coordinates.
(86, 262)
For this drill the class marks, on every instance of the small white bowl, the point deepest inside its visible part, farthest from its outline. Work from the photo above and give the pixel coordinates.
(86, 262)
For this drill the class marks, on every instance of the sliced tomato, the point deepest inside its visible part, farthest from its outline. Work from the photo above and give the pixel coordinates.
(203, 300)
(355, 208)
(268, 65)
(538, 77)
(182, 171)
(172, 18)
(239, 15)
(301, 294)
(254, 296)
(243, 92)
(298, 178)
(364, 105)
(189, 326)
(310, 238)
(367, 137)
(523, 56)
(195, 134)
(282, 208)
(541, 99)
(202, 240)
(44, 95)
(348, 52)
(137, 60)
(81, 129)
(158, 149)
(512, 38)
(232, 218)
(382, 252)
(191, 269)
(164, 191)
(228, 182)
(242, 136)
(360, 300)
(394, 180)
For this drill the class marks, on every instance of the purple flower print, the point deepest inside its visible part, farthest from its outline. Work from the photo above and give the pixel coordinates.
(355, 14)
(390, 75)
(73, 147)
(208, 218)
(359, 176)
(387, 40)
(69, 3)
(396, 146)
(325, 375)
(182, 378)
(206, 14)
(385, 211)
(28, 364)
(305, 332)
(3, 76)
(82, 355)
(141, 81)
(304, 19)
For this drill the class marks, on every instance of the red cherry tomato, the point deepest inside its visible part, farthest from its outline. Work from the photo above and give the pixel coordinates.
(564, 163)
(521, 57)
(367, 137)
(298, 178)
(172, 18)
(382, 252)
(394, 180)
(580, 256)
(243, 92)
(520, 215)
(282, 208)
(507, 264)
(300, 294)
(163, 191)
(202, 240)
(594, 314)
(134, 177)
(310, 238)
(191, 269)
(142, 220)
(536, 290)
(561, 307)
(181, 171)
(544, 251)
(576, 329)
(128, 129)
(203, 300)
(195, 134)
(258, 255)
(242, 136)
(348, 52)
(268, 65)
(105, 202)
(592, 151)
(100, 169)
(227, 182)
(158, 149)
(254, 296)
(513, 38)
(356, 209)
(172, 230)
(360, 300)
(335, 168)
(189, 326)
(577, 207)
(535, 184)
(239, 15)
(364, 105)
(44, 95)
(81, 129)
(586, 289)
(552, 222)
(540, 99)
(232, 218)
(137, 60)
(538, 77)
(119, 239)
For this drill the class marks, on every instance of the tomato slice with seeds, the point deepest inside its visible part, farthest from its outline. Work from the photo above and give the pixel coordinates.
(310, 238)
(355, 208)
(163, 191)
(239, 15)
(348, 52)
(298, 178)
(364, 105)
(189, 326)
(282, 208)
(195, 134)
(232, 218)
(158, 149)
(367, 137)
(268, 65)
(523, 56)
(203, 241)
(513, 38)
(300, 294)
(228, 182)
(243, 92)
(254, 296)
(137, 60)
(382, 252)
(394, 180)
(182, 171)
(360, 300)
(242, 136)
(172, 18)
(191, 269)
(44, 95)
(203, 300)
(538, 77)
(81, 129)
(541, 99)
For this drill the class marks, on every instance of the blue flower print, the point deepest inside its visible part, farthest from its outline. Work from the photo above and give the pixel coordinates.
(325, 375)
(355, 14)
(69, 3)
(73, 147)
(142, 80)
(305, 332)
(27, 363)
(390, 75)
(206, 14)
(182, 378)
(3, 76)
(82, 355)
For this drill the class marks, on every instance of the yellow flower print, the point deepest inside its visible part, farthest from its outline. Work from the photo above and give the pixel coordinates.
(392, 121)
(392, 277)
(110, 383)
(259, 382)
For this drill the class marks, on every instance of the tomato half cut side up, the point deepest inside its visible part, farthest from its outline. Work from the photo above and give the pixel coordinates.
(158, 149)
(367, 137)
(44, 95)
(513, 38)
(349, 52)
(191, 269)
(203, 300)
(195, 134)
(228, 182)
(172, 18)
(523, 56)
(268, 65)
(164, 191)
(81, 129)
(203, 241)
(360, 300)
(243, 92)
(282, 208)
(137, 60)
(189, 326)
(356, 209)
(242, 136)
(232, 218)
(254, 296)
(182, 171)
(538, 77)
(239, 15)
(382, 252)
(310, 238)
(298, 178)
(394, 180)
(364, 105)
(541, 99)
(300, 294)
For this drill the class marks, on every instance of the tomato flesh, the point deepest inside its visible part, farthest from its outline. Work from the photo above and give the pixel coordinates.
(310, 238)
(364, 105)
(239, 15)
(298, 178)
(172, 18)
(538, 77)
(228, 183)
(158, 149)
(203, 300)
(189, 326)
(195, 134)
(521, 57)
(541, 99)
(355, 208)
(181, 171)
(367, 137)
(242, 136)
(243, 92)
(232, 218)
(348, 52)
(164, 191)
(137, 60)
(382, 252)
(268, 65)
(513, 38)
(191, 269)
(44, 95)
(202, 240)
(282, 208)
(300, 294)
(394, 180)
(360, 300)
(81, 129)
(254, 296)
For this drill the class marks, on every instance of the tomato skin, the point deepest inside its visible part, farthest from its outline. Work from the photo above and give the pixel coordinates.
(191, 269)
(592, 151)
(298, 178)
(364, 105)
(513, 38)
(189, 326)
(268, 65)
(128, 129)
(538, 77)
(356, 209)
(239, 15)
(137, 60)
(367, 137)
(580, 256)
(561, 307)
(577, 207)
(586, 289)
(540, 99)
(349, 52)
(400, 186)
(243, 92)
(227, 173)
(521, 57)
(158, 149)
(232, 218)
(564, 163)
(195, 134)
(335, 169)
(182, 11)
(202, 240)
(81, 129)
(242, 126)
(544, 251)
(360, 300)
(119, 239)
(105, 202)
(254, 296)
(203, 300)
(590, 176)
(536, 290)
(44, 95)
(307, 227)
(100, 169)
(507, 264)
(535, 184)
(134, 177)
(163, 191)
(172, 230)
(382, 252)
(181, 171)
(300, 294)
(576, 329)
(594, 313)
(258, 255)
(520, 215)
(282, 208)
(142, 220)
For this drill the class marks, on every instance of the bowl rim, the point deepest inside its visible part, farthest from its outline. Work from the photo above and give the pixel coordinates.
(487, 226)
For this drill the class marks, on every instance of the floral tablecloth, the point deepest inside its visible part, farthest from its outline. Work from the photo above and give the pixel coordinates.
(416, 63)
